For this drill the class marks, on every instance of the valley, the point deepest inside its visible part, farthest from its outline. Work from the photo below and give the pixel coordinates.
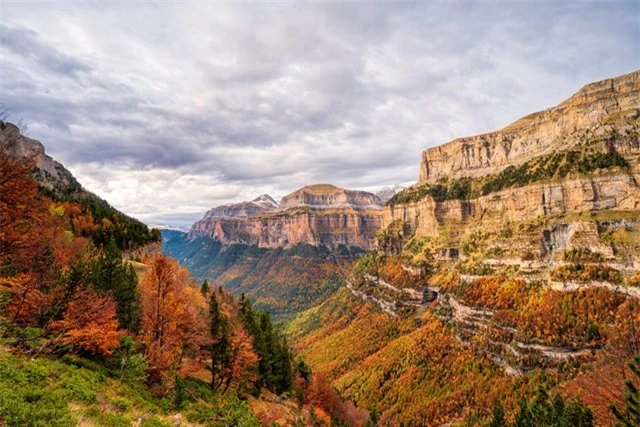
(511, 268)
(519, 248)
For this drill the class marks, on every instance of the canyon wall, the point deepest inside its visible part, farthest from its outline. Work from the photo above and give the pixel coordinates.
(586, 149)
(318, 215)
(537, 134)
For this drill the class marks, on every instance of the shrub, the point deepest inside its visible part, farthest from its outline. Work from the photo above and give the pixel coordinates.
(586, 272)
(459, 189)
(582, 255)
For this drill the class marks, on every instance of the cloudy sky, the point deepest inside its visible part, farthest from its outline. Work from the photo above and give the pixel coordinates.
(166, 109)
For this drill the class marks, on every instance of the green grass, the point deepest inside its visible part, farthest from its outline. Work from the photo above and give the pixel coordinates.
(48, 392)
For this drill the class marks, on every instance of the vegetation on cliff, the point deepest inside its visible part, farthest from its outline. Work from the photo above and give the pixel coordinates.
(582, 160)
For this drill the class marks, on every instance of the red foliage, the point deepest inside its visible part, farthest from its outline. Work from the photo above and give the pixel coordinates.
(173, 320)
(90, 323)
(320, 394)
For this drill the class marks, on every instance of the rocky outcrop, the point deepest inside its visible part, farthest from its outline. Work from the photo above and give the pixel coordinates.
(602, 120)
(558, 128)
(518, 204)
(49, 173)
(318, 214)
(261, 204)
(386, 193)
(327, 196)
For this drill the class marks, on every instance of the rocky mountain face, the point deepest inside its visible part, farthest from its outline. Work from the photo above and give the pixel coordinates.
(571, 163)
(59, 184)
(517, 250)
(595, 108)
(49, 173)
(317, 214)
(263, 203)
(548, 207)
(386, 193)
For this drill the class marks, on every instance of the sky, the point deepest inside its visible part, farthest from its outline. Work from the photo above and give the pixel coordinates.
(166, 109)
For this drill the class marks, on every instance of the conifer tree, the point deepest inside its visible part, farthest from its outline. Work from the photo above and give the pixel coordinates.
(120, 280)
(205, 287)
(497, 419)
(631, 414)
(540, 412)
(220, 347)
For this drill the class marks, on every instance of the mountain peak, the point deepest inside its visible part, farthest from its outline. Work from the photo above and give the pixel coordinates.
(266, 200)
(326, 196)
(386, 193)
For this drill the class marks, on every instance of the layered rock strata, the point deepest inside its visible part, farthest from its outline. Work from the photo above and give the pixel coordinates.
(318, 215)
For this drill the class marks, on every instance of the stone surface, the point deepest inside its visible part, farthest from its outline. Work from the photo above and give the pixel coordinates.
(537, 134)
(317, 214)
(602, 117)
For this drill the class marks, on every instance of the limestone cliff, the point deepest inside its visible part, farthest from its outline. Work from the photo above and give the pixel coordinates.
(558, 128)
(318, 214)
(575, 166)
(49, 173)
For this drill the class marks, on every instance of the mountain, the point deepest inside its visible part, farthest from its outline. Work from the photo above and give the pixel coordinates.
(95, 336)
(552, 167)
(263, 203)
(590, 114)
(320, 214)
(286, 257)
(386, 193)
(178, 228)
(56, 182)
(513, 265)
(51, 174)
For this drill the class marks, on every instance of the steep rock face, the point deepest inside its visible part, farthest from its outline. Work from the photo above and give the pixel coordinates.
(318, 215)
(49, 173)
(425, 217)
(601, 121)
(537, 134)
(326, 196)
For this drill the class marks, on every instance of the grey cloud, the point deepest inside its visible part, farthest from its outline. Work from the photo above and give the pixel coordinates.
(27, 43)
(212, 103)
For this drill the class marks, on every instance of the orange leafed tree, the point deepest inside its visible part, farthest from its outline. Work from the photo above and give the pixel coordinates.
(90, 323)
(243, 357)
(172, 323)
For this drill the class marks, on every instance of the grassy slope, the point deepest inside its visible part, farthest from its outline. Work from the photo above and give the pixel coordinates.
(76, 391)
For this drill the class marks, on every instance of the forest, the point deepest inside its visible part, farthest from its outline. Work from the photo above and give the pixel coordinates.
(87, 336)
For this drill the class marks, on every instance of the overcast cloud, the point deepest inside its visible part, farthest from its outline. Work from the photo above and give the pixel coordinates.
(166, 109)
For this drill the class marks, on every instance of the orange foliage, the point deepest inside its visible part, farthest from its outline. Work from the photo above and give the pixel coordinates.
(320, 394)
(243, 357)
(173, 323)
(90, 323)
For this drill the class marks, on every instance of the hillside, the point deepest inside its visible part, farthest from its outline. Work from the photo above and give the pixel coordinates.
(89, 338)
(281, 280)
(96, 218)
(498, 273)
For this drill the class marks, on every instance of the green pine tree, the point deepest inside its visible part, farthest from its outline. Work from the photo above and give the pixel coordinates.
(221, 345)
(630, 416)
(111, 275)
(497, 419)
(543, 413)
(205, 287)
